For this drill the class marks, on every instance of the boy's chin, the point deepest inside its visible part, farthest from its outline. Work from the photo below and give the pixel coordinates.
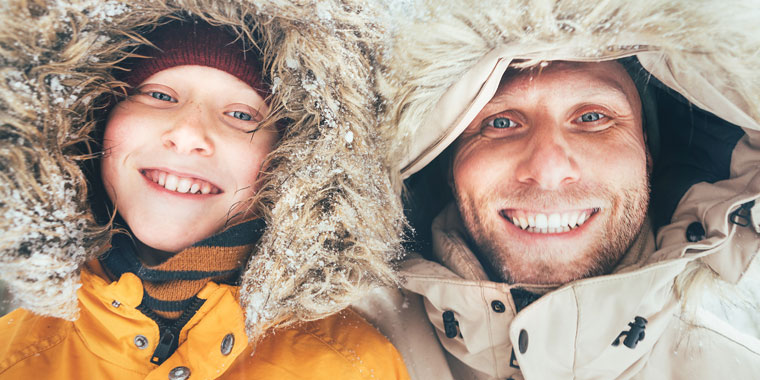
(168, 242)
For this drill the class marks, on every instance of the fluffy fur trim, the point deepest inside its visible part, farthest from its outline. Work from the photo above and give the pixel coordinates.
(717, 40)
(334, 222)
(446, 38)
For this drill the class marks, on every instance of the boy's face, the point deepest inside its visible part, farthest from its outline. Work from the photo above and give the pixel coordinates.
(180, 159)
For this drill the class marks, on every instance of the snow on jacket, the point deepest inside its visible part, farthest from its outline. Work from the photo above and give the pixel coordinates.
(692, 282)
(331, 214)
(112, 339)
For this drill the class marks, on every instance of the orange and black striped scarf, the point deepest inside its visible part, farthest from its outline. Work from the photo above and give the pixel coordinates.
(170, 287)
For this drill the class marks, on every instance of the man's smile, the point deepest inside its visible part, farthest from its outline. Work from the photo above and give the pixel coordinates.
(549, 222)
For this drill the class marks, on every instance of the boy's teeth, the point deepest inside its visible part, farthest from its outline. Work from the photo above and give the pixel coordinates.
(549, 223)
(171, 182)
(184, 185)
(180, 184)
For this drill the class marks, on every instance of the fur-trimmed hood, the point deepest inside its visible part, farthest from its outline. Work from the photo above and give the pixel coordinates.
(448, 58)
(700, 63)
(333, 222)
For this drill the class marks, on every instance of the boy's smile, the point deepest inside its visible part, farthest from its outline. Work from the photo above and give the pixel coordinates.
(181, 155)
(180, 183)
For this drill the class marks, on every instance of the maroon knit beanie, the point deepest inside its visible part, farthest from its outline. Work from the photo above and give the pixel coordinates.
(195, 43)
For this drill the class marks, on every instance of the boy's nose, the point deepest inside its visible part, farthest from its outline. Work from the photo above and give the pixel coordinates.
(548, 162)
(188, 134)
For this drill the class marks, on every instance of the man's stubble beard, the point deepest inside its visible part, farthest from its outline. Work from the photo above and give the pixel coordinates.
(628, 206)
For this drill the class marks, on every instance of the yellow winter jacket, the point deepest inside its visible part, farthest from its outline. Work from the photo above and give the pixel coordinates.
(113, 340)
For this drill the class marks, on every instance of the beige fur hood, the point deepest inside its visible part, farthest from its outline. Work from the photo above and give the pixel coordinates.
(448, 58)
(333, 222)
(699, 59)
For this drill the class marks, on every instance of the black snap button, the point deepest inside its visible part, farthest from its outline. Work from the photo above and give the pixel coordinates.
(227, 343)
(695, 232)
(498, 306)
(179, 373)
(450, 324)
(141, 342)
(522, 341)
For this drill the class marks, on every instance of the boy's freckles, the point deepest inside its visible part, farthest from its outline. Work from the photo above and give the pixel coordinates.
(179, 160)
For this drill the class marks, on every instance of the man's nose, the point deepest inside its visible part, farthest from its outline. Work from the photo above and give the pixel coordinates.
(189, 132)
(548, 162)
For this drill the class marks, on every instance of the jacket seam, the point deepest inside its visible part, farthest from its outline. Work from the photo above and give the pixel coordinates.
(33, 349)
(700, 325)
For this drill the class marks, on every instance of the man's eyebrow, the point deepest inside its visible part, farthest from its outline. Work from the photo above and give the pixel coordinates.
(594, 87)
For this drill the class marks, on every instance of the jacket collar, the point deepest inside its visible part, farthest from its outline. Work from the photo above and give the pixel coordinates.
(588, 313)
(109, 323)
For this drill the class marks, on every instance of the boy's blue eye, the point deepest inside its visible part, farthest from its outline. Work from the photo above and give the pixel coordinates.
(589, 117)
(240, 115)
(161, 96)
(502, 123)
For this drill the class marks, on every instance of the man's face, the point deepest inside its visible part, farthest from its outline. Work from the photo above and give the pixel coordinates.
(180, 158)
(551, 176)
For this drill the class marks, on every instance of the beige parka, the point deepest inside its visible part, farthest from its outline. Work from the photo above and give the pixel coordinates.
(694, 289)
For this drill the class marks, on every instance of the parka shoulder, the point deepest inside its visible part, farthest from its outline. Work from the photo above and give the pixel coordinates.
(343, 345)
(25, 334)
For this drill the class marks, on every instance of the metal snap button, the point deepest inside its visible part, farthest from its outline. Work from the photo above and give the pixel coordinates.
(498, 306)
(227, 343)
(141, 342)
(115, 303)
(695, 232)
(179, 373)
(522, 341)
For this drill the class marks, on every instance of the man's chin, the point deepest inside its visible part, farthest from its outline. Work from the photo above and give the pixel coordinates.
(548, 266)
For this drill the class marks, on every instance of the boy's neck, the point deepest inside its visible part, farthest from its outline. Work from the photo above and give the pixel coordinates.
(151, 256)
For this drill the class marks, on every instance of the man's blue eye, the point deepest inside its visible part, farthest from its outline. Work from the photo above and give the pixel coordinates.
(240, 115)
(591, 117)
(502, 123)
(161, 96)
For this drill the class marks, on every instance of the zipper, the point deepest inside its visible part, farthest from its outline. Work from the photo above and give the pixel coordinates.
(168, 340)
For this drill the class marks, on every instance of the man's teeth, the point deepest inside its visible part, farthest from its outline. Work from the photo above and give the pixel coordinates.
(180, 184)
(549, 223)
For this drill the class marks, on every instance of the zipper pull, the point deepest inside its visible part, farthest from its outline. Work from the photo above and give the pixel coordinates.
(743, 215)
(164, 347)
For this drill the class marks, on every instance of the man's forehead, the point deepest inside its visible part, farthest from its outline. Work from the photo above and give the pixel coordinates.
(583, 78)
